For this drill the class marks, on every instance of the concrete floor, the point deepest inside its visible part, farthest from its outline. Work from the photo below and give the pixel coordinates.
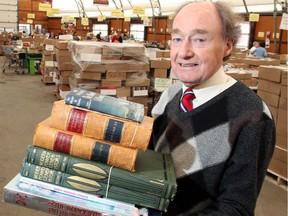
(25, 101)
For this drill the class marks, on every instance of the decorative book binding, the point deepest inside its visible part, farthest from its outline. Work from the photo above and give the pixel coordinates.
(84, 147)
(101, 126)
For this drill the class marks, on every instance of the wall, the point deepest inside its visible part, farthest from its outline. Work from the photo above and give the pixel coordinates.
(32, 6)
(8, 14)
(266, 23)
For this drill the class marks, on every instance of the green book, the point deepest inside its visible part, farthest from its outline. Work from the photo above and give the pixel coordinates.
(105, 104)
(74, 182)
(154, 173)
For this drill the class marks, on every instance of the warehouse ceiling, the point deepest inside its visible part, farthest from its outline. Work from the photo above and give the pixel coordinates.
(166, 7)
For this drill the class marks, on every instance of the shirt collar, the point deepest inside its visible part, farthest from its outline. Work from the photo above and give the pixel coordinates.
(217, 83)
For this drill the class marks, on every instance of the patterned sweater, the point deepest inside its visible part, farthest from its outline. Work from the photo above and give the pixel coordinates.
(221, 150)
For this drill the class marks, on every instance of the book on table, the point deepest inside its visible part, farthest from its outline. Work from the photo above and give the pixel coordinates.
(105, 104)
(154, 172)
(53, 202)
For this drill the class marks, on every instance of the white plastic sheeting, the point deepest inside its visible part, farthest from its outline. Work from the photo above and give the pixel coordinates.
(69, 7)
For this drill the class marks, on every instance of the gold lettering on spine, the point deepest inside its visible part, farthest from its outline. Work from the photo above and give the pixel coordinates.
(36, 172)
(42, 158)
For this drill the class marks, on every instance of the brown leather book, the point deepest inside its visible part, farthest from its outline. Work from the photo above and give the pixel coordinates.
(101, 126)
(84, 147)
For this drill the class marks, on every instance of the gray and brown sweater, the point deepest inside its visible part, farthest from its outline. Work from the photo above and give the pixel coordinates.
(221, 150)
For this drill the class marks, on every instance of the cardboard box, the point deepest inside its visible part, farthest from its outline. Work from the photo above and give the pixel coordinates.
(158, 72)
(141, 100)
(123, 91)
(128, 66)
(65, 72)
(281, 128)
(139, 91)
(62, 52)
(281, 141)
(134, 51)
(269, 98)
(270, 73)
(64, 66)
(64, 80)
(280, 154)
(282, 116)
(269, 86)
(61, 44)
(242, 75)
(284, 78)
(136, 82)
(90, 75)
(278, 167)
(109, 83)
(160, 63)
(283, 103)
(284, 90)
(115, 75)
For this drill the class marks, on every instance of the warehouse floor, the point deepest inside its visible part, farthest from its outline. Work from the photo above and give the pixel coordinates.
(26, 101)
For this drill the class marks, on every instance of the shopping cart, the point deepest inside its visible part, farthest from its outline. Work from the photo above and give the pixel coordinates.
(13, 58)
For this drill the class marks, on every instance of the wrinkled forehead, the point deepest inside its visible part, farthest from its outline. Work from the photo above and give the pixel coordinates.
(197, 15)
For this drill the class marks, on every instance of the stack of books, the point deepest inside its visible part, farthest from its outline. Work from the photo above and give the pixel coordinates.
(94, 148)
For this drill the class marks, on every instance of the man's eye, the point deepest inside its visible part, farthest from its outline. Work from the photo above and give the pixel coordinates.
(198, 40)
(176, 39)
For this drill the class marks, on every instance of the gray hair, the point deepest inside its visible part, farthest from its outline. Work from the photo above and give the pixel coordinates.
(230, 21)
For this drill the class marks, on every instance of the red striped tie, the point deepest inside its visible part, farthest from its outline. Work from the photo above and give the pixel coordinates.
(186, 101)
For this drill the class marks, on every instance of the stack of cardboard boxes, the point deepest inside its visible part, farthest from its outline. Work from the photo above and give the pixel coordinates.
(64, 68)
(48, 62)
(272, 88)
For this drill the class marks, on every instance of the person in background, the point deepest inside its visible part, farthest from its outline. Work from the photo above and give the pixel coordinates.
(220, 134)
(120, 38)
(98, 36)
(52, 35)
(260, 51)
(114, 37)
(125, 36)
(75, 37)
(132, 37)
(253, 48)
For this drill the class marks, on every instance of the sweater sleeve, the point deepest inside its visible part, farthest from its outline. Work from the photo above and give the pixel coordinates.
(245, 171)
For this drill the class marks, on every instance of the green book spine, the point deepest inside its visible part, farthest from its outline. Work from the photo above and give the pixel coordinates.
(92, 186)
(144, 180)
(105, 104)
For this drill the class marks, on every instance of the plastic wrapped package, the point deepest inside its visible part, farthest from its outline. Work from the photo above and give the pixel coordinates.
(101, 56)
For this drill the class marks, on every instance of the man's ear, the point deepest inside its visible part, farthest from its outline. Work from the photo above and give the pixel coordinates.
(228, 49)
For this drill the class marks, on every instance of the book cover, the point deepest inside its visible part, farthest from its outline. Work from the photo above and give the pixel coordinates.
(105, 104)
(101, 126)
(53, 202)
(47, 175)
(154, 172)
(84, 147)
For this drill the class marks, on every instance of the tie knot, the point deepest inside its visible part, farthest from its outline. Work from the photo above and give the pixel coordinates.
(186, 101)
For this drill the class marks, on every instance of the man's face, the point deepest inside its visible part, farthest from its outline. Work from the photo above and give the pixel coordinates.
(197, 47)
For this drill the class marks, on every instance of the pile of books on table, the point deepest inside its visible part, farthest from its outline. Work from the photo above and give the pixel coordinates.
(90, 157)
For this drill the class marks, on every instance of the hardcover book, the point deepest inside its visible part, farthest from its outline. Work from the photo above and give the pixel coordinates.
(74, 182)
(154, 172)
(105, 104)
(53, 202)
(101, 126)
(84, 147)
